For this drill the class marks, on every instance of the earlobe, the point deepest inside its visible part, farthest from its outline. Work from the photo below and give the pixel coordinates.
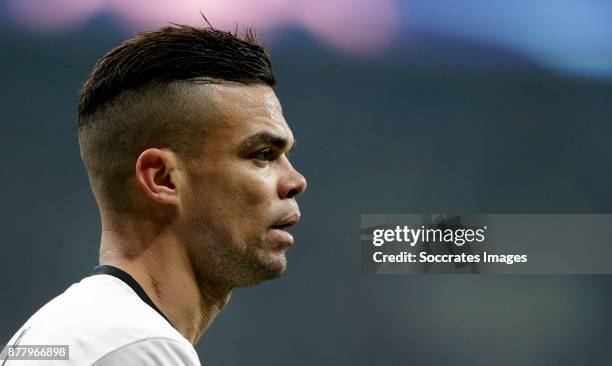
(154, 169)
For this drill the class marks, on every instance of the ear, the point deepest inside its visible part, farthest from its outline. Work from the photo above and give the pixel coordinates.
(154, 174)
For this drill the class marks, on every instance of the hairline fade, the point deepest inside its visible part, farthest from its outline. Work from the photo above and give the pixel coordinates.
(123, 108)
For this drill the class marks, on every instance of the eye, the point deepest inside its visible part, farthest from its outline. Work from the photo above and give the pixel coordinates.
(264, 154)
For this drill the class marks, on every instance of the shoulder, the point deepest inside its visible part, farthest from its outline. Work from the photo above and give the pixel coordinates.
(101, 315)
(151, 351)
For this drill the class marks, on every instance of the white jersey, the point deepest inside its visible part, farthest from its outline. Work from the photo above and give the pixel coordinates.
(106, 319)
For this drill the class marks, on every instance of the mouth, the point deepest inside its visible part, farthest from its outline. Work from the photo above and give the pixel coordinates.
(287, 221)
(279, 234)
(281, 226)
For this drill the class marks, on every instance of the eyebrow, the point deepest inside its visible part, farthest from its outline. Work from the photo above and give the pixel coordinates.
(267, 138)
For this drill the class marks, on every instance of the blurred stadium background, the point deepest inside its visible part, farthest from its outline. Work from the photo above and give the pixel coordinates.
(398, 106)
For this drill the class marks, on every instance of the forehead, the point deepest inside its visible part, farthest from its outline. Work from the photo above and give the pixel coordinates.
(239, 111)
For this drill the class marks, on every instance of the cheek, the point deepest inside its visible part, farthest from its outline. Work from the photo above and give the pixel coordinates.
(252, 201)
(246, 184)
(241, 190)
(237, 197)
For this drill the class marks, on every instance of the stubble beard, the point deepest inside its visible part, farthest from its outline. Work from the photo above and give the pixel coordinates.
(226, 264)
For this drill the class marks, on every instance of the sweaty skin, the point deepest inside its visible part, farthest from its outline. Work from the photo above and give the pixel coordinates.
(215, 222)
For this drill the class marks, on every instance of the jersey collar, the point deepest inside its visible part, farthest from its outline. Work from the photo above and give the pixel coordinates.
(130, 281)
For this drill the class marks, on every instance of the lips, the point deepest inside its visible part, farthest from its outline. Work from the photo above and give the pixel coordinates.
(287, 221)
(278, 234)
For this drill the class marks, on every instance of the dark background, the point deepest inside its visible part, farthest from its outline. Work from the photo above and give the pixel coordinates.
(433, 123)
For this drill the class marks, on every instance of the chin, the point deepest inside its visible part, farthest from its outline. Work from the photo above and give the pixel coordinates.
(268, 266)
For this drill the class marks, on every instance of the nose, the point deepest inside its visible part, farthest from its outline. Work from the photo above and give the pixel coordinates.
(292, 184)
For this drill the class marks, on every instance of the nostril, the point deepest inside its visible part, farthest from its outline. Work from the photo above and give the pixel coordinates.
(292, 193)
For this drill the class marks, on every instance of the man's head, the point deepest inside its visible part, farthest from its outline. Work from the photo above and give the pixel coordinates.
(181, 126)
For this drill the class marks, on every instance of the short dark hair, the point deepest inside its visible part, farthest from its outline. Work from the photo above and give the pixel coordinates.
(174, 53)
(123, 107)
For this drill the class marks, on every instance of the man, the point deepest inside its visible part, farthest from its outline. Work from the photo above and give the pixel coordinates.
(186, 149)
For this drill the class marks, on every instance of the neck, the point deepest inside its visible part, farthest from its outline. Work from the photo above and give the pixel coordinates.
(160, 264)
